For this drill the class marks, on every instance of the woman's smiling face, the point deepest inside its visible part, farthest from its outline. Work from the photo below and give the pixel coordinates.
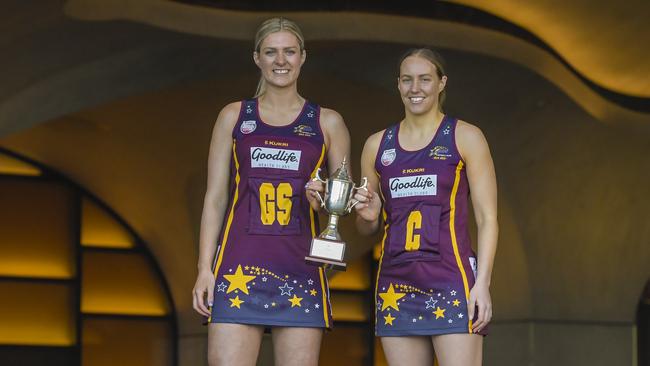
(280, 58)
(419, 84)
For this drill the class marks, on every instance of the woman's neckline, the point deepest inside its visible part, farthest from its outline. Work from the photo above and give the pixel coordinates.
(435, 135)
(259, 116)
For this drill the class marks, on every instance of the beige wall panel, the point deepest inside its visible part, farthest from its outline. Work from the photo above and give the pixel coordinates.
(109, 342)
(583, 345)
(193, 349)
(37, 314)
(12, 166)
(100, 229)
(350, 307)
(37, 233)
(121, 283)
(355, 277)
(344, 346)
(508, 344)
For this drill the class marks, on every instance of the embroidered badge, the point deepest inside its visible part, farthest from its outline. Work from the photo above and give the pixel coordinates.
(248, 127)
(388, 156)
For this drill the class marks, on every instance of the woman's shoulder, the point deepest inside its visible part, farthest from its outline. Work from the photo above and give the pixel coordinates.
(468, 132)
(375, 138)
(470, 140)
(229, 114)
(373, 141)
(232, 108)
(330, 117)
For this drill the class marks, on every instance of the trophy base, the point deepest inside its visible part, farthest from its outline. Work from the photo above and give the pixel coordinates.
(327, 253)
(326, 263)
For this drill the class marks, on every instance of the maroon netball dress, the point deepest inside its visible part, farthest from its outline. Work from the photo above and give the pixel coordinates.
(427, 265)
(261, 274)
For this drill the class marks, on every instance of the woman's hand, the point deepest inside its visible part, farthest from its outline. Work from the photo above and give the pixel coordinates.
(479, 297)
(369, 205)
(311, 189)
(203, 290)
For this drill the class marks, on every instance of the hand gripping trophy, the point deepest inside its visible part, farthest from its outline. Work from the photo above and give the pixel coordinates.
(328, 249)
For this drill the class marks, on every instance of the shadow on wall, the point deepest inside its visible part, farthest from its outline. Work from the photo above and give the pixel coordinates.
(643, 327)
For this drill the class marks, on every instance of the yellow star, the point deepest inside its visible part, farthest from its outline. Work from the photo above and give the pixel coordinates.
(440, 313)
(236, 302)
(272, 304)
(312, 292)
(238, 281)
(456, 302)
(390, 298)
(388, 319)
(247, 267)
(295, 301)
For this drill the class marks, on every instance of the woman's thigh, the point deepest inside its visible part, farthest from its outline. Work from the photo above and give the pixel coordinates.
(233, 344)
(296, 346)
(412, 351)
(458, 349)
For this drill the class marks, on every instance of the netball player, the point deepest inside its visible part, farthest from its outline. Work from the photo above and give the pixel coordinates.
(432, 290)
(257, 220)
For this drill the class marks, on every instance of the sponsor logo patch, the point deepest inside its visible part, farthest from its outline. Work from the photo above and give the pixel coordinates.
(248, 126)
(388, 157)
(440, 153)
(416, 185)
(304, 130)
(267, 157)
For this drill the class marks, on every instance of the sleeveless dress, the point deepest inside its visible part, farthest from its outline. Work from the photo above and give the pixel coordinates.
(427, 265)
(260, 271)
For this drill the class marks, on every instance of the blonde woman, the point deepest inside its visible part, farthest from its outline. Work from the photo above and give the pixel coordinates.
(257, 218)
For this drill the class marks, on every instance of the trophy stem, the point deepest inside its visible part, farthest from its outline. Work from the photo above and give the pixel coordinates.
(330, 231)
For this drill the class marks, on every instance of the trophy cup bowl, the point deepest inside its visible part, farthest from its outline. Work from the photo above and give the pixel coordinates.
(328, 249)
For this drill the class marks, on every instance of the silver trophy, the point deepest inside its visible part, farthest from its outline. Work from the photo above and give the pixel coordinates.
(328, 249)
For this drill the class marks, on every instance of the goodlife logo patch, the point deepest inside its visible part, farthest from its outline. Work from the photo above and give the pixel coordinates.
(266, 157)
(417, 185)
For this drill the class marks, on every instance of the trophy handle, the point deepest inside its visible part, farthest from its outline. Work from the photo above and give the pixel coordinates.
(317, 178)
(353, 202)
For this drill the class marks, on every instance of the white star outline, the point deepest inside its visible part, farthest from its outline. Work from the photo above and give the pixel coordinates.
(431, 303)
(221, 287)
(286, 289)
